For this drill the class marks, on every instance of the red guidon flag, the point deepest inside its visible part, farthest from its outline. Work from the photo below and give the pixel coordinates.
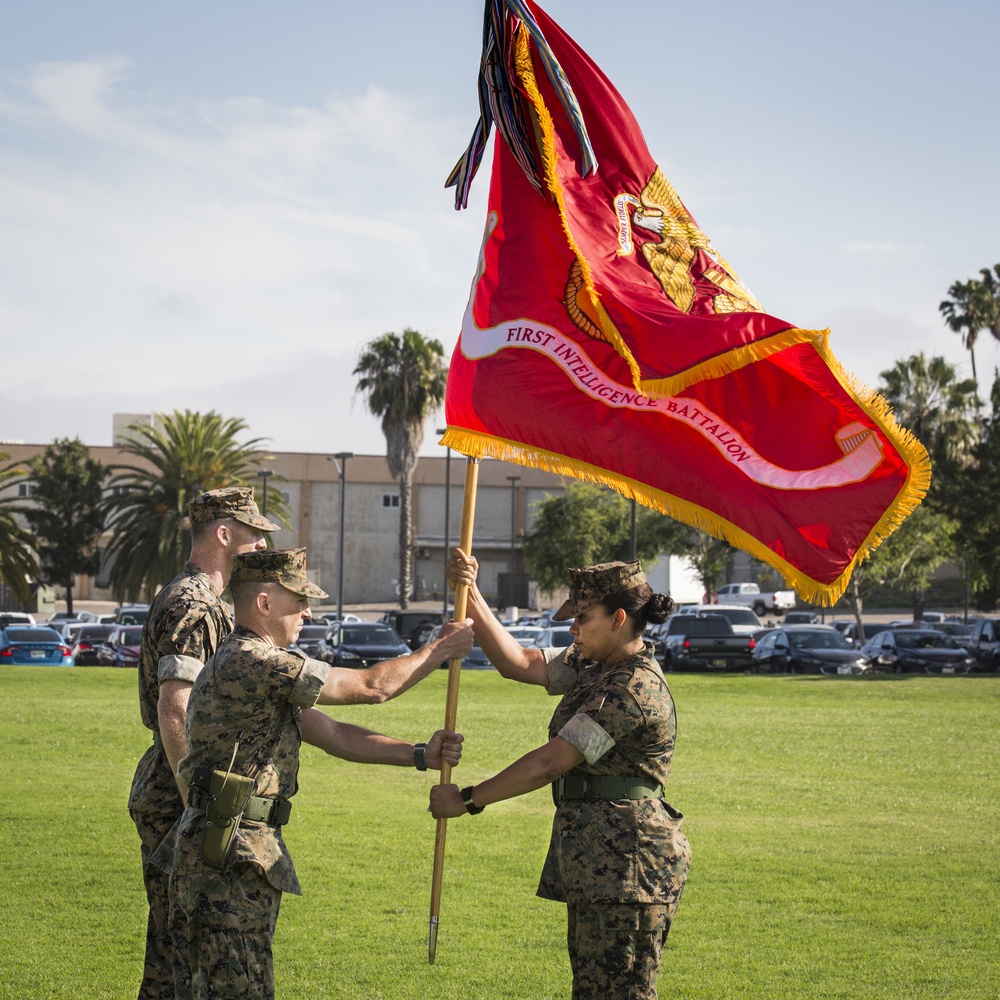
(606, 337)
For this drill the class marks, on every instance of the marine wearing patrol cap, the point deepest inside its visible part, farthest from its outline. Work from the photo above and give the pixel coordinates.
(236, 502)
(591, 584)
(284, 566)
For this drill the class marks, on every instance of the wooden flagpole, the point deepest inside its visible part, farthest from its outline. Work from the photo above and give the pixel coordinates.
(451, 704)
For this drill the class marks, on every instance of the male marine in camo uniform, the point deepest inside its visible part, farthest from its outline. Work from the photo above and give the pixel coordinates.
(250, 709)
(186, 623)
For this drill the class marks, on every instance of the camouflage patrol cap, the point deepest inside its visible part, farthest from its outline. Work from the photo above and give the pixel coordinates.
(284, 566)
(592, 584)
(233, 501)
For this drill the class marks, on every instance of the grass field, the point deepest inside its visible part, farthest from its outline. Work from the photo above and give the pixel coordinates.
(845, 839)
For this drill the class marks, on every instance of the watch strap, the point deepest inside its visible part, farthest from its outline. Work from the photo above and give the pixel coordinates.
(470, 806)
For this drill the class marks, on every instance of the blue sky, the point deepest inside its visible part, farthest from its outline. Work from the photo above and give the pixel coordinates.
(215, 205)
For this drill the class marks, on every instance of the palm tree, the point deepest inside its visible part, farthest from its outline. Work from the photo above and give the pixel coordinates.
(18, 566)
(939, 409)
(402, 379)
(974, 306)
(184, 456)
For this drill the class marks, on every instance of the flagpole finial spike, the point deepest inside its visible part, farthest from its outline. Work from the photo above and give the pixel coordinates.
(432, 941)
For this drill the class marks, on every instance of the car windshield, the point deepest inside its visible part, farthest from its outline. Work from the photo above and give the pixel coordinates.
(369, 635)
(924, 640)
(32, 635)
(130, 637)
(818, 640)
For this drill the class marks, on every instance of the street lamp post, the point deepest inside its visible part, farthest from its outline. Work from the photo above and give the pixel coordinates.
(513, 480)
(342, 472)
(447, 521)
(264, 474)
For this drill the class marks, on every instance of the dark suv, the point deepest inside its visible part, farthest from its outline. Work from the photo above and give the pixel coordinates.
(414, 626)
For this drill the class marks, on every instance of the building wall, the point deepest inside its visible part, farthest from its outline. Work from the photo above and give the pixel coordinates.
(311, 485)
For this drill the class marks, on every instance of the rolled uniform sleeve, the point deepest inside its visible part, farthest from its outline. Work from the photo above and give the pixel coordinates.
(309, 683)
(588, 736)
(560, 669)
(178, 668)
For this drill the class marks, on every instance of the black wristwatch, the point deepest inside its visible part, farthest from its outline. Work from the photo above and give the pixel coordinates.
(420, 756)
(470, 806)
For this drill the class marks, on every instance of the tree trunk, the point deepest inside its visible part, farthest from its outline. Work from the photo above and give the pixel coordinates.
(856, 606)
(405, 533)
(69, 595)
(918, 605)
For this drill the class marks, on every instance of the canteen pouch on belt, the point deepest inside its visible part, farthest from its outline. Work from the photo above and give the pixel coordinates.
(228, 795)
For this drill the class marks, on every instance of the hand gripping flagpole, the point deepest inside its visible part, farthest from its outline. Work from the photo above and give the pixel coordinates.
(451, 705)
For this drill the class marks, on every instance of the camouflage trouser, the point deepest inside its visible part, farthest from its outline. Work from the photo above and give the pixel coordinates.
(614, 949)
(157, 974)
(222, 924)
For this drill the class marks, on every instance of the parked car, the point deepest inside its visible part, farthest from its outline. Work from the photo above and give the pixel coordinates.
(808, 649)
(87, 642)
(361, 644)
(526, 635)
(131, 614)
(912, 650)
(330, 617)
(71, 630)
(743, 620)
(476, 660)
(310, 638)
(72, 616)
(61, 625)
(414, 626)
(761, 601)
(33, 645)
(801, 618)
(848, 628)
(959, 631)
(705, 642)
(984, 644)
(16, 618)
(535, 621)
(121, 647)
(553, 636)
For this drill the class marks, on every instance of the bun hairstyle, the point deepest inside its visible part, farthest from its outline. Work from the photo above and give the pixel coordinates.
(641, 605)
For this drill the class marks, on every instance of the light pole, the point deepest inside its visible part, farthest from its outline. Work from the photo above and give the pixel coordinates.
(447, 520)
(342, 472)
(264, 474)
(513, 480)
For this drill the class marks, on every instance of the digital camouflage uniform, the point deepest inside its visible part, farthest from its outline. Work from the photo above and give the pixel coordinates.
(186, 623)
(222, 922)
(620, 864)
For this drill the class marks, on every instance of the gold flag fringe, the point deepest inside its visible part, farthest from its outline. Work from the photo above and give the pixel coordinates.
(731, 361)
(477, 444)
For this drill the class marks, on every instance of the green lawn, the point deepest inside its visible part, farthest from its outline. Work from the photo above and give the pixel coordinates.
(844, 836)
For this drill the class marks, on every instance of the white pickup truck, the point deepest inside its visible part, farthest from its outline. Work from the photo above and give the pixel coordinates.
(762, 602)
